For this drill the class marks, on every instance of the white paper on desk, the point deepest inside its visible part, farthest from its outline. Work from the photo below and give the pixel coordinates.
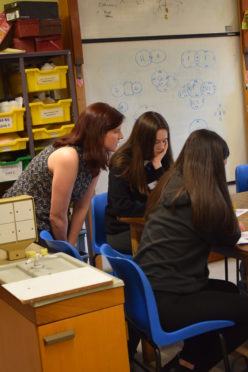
(244, 238)
(29, 290)
(239, 212)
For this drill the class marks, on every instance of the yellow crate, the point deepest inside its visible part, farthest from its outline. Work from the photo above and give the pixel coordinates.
(12, 143)
(12, 121)
(44, 133)
(39, 80)
(50, 113)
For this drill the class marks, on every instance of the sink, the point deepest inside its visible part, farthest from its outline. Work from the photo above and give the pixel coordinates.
(27, 268)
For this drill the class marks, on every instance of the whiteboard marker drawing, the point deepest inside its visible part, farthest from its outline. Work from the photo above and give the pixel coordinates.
(163, 81)
(127, 88)
(197, 90)
(198, 124)
(144, 57)
(220, 112)
(198, 58)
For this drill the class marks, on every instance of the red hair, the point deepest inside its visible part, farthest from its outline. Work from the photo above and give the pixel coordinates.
(89, 133)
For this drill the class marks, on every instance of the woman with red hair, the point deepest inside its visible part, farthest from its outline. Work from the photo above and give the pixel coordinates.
(67, 171)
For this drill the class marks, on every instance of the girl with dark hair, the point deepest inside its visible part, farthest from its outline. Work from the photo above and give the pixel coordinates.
(134, 169)
(189, 212)
(67, 171)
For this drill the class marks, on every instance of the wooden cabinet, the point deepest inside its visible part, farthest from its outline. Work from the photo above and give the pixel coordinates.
(17, 225)
(83, 333)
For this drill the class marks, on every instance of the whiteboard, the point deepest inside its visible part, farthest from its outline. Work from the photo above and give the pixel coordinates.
(130, 18)
(194, 84)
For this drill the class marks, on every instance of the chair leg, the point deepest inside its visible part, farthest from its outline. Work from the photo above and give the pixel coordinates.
(98, 262)
(147, 351)
(158, 359)
(224, 353)
(141, 365)
(226, 268)
(237, 270)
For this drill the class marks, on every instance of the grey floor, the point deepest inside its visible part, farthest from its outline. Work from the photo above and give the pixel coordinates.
(237, 362)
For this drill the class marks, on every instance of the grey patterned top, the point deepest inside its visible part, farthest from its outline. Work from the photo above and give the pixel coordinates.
(36, 180)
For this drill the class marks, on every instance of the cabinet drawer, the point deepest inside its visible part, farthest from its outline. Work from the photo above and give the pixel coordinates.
(23, 210)
(97, 342)
(7, 233)
(6, 213)
(25, 230)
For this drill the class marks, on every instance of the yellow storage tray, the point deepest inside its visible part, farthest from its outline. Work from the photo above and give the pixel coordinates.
(50, 113)
(12, 121)
(12, 142)
(39, 80)
(44, 133)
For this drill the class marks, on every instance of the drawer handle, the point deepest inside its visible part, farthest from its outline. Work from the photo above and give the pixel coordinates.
(59, 337)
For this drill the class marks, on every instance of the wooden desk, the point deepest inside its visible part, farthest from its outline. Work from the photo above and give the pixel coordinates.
(136, 228)
(77, 332)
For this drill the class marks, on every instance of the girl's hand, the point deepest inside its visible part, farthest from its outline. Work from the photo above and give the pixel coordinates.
(241, 226)
(156, 161)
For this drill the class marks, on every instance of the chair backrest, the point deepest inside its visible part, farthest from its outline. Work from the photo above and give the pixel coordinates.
(98, 204)
(241, 177)
(141, 308)
(59, 245)
(140, 304)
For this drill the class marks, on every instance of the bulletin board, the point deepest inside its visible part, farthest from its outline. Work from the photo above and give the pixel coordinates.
(193, 84)
(101, 19)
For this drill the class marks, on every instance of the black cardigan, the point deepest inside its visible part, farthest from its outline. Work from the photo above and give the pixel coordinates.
(124, 202)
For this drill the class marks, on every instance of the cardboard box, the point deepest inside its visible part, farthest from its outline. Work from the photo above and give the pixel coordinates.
(48, 43)
(50, 27)
(31, 9)
(26, 28)
(26, 44)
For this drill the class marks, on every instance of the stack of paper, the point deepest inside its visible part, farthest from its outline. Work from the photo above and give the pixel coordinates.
(244, 238)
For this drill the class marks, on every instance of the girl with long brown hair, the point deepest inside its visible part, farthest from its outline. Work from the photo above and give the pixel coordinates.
(188, 213)
(134, 168)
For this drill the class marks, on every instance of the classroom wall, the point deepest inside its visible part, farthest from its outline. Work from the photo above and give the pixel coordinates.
(128, 18)
(187, 68)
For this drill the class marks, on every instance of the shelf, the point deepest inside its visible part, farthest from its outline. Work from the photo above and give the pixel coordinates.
(26, 58)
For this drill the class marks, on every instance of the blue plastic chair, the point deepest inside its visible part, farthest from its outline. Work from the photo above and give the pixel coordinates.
(98, 205)
(141, 309)
(241, 178)
(97, 210)
(59, 245)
